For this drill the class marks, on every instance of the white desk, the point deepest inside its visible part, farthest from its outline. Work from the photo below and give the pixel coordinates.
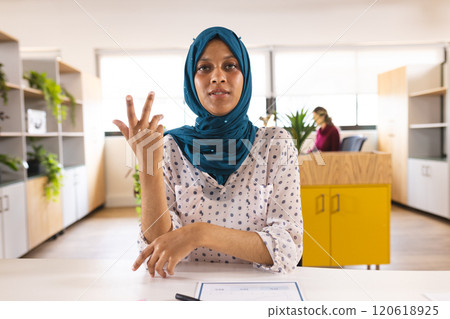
(57, 279)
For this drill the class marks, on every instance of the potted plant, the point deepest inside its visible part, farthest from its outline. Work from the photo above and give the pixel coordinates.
(3, 88)
(52, 93)
(12, 162)
(52, 169)
(34, 160)
(301, 126)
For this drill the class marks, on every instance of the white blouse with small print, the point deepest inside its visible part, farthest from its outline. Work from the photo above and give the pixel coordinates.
(262, 196)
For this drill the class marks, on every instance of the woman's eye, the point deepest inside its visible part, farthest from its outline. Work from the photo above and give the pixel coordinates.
(203, 68)
(231, 66)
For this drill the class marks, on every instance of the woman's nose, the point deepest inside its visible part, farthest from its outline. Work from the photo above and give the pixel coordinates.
(218, 76)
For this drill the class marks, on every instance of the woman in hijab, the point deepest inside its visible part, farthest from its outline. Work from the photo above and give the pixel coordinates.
(227, 191)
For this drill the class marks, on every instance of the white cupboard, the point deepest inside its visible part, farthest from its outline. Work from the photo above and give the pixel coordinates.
(428, 186)
(74, 195)
(14, 220)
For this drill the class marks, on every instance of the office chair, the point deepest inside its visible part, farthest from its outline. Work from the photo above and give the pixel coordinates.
(353, 143)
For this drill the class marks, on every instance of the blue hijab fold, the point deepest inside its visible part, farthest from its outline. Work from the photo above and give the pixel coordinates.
(233, 133)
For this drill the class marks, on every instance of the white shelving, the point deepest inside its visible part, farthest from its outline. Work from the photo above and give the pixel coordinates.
(428, 125)
(419, 144)
(34, 221)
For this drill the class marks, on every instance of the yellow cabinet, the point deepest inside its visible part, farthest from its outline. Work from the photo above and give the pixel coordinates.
(346, 225)
(316, 226)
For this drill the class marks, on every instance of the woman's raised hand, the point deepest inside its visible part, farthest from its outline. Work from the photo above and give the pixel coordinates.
(144, 137)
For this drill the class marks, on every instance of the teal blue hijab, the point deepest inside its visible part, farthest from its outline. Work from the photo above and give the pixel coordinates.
(233, 133)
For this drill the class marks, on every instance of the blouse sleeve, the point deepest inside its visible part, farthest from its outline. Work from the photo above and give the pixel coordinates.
(283, 235)
(170, 197)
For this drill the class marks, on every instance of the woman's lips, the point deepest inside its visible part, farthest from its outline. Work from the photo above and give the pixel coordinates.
(218, 92)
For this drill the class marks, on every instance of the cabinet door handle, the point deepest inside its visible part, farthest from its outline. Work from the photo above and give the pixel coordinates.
(429, 171)
(339, 203)
(424, 170)
(7, 201)
(323, 203)
(1, 205)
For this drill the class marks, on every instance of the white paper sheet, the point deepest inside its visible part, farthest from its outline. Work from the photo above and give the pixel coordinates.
(249, 291)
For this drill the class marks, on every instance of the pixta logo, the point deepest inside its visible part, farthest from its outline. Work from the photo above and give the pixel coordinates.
(144, 147)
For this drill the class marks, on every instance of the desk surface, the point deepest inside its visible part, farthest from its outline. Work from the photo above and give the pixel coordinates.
(75, 279)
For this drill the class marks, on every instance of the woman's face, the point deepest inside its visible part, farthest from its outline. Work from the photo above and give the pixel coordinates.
(218, 79)
(319, 119)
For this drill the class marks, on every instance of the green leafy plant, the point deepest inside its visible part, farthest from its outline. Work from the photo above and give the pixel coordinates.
(53, 94)
(3, 88)
(12, 162)
(54, 177)
(137, 191)
(301, 126)
(72, 105)
(52, 168)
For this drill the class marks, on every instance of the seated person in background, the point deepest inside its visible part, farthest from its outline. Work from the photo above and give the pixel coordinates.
(327, 139)
(243, 207)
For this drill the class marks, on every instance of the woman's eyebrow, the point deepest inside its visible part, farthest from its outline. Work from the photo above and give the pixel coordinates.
(225, 58)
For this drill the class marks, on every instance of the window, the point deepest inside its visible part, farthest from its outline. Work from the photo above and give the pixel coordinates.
(343, 80)
(163, 73)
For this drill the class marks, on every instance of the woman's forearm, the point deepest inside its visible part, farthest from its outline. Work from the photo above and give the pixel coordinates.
(238, 243)
(155, 217)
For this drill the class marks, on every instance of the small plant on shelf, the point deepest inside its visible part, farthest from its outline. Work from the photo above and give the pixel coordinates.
(52, 170)
(3, 87)
(301, 126)
(53, 94)
(13, 163)
(72, 105)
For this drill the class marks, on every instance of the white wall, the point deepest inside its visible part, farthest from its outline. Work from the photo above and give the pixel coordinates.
(151, 24)
(119, 180)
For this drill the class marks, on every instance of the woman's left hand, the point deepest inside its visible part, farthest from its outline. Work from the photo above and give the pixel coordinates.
(170, 249)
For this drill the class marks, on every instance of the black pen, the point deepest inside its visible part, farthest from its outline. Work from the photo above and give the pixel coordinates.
(185, 298)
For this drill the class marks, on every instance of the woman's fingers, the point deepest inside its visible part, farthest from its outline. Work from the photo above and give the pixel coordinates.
(132, 119)
(146, 110)
(171, 265)
(142, 257)
(154, 122)
(160, 129)
(122, 127)
(151, 264)
(159, 267)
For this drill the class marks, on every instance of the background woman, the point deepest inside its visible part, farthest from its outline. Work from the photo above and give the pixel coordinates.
(327, 139)
(228, 191)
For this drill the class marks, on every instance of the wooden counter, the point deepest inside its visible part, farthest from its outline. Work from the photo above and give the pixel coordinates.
(346, 205)
(345, 168)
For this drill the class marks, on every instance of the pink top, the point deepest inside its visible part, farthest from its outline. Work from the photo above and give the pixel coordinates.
(262, 196)
(327, 139)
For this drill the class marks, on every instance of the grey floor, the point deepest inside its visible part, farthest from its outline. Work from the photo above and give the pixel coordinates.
(418, 241)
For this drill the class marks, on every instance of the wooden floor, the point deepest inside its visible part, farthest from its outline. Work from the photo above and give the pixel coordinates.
(418, 241)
